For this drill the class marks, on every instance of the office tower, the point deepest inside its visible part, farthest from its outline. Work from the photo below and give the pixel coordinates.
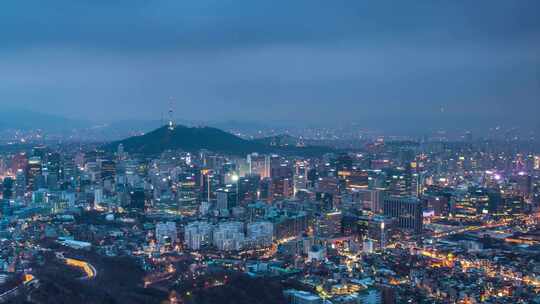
(20, 183)
(19, 162)
(495, 201)
(33, 173)
(120, 153)
(313, 176)
(328, 184)
(300, 183)
(289, 225)
(522, 184)
(188, 204)
(282, 188)
(325, 200)
(398, 181)
(300, 178)
(370, 199)
(259, 164)
(380, 230)
(439, 204)
(354, 179)
(407, 211)
(108, 169)
(226, 198)
(137, 198)
(98, 196)
(275, 166)
(248, 188)
(328, 225)
(205, 184)
(53, 161)
(280, 168)
(7, 185)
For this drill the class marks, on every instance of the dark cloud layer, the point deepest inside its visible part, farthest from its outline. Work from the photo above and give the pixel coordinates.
(309, 60)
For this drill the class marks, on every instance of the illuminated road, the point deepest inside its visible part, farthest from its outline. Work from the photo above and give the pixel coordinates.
(28, 280)
(489, 268)
(501, 223)
(88, 268)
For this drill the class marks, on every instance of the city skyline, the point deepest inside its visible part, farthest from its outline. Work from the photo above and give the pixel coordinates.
(281, 152)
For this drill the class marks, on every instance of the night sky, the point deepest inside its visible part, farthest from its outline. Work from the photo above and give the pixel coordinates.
(468, 62)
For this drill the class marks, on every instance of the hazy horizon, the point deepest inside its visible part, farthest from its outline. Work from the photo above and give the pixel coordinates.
(401, 66)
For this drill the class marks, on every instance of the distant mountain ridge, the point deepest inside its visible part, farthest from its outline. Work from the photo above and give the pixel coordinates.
(196, 138)
(29, 120)
(278, 140)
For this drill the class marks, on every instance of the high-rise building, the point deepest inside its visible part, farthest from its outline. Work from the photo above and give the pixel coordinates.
(166, 233)
(282, 188)
(98, 196)
(354, 179)
(398, 181)
(137, 198)
(325, 200)
(39, 151)
(407, 211)
(329, 224)
(229, 236)
(380, 230)
(522, 184)
(198, 234)
(188, 203)
(260, 234)
(328, 184)
(120, 153)
(34, 171)
(439, 204)
(300, 178)
(248, 188)
(7, 185)
(370, 199)
(290, 225)
(226, 198)
(20, 183)
(108, 169)
(259, 164)
(19, 162)
(280, 168)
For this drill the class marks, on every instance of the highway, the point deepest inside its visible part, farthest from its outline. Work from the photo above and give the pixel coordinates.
(88, 268)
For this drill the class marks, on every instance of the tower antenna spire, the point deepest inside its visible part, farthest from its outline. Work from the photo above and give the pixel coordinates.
(171, 123)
